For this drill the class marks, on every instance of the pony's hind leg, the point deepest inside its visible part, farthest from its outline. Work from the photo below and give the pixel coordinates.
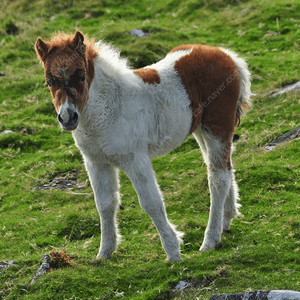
(217, 157)
(231, 207)
(200, 140)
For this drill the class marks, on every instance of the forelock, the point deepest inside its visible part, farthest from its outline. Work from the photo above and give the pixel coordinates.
(64, 61)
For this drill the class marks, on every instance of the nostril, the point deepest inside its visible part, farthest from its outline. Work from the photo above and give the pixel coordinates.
(75, 117)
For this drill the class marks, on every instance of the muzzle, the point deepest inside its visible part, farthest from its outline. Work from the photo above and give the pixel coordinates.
(68, 116)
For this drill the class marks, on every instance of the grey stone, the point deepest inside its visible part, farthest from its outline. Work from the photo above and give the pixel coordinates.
(292, 134)
(182, 285)
(290, 88)
(138, 32)
(63, 182)
(245, 10)
(5, 265)
(260, 295)
(284, 295)
(6, 131)
(255, 295)
(43, 269)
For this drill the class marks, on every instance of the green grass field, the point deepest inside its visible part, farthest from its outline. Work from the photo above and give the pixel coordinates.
(262, 252)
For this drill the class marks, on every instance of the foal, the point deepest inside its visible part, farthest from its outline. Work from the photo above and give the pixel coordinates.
(121, 118)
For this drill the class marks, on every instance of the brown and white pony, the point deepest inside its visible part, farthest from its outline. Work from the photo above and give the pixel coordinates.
(120, 118)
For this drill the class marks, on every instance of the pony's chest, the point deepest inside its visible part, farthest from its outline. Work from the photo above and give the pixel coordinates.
(92, 148)
(89, 145)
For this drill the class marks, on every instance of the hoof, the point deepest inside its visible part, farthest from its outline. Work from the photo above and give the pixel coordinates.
(103, 255)
(99, 257)
(174, 258)
(209, 244)
(226, 225)
(205, 248)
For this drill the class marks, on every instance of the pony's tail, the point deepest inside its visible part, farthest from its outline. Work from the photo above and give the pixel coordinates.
(244, 101)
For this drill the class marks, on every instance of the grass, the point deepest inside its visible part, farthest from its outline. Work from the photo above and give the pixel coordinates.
(262, 252)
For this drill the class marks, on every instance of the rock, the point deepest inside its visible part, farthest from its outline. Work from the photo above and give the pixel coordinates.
(283, 295)
(43, 269)
(138, 32)
(66, 181)
(190, 284)
(245, 10)
(5, 265)
(182, 285)
(59, 184)
(6, 131)
(290, 135)
(260, 295)
(290, 88)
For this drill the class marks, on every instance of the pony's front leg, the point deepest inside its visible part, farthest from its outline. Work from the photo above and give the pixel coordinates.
(104, 181)
(141, 173)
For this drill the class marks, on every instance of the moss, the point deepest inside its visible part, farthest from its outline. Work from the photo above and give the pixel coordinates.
(59, 259)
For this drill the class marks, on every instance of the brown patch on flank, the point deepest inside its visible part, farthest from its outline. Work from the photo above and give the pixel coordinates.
(212, 82)
(148, 75)
(62, 57)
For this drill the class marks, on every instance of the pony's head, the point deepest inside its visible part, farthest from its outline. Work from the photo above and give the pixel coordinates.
(68, 71)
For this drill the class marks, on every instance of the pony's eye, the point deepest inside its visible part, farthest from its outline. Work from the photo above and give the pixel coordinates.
(80, 74)
(49, 82)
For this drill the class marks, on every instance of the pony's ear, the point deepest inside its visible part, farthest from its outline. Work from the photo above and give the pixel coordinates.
(78, 42)
(42, 49)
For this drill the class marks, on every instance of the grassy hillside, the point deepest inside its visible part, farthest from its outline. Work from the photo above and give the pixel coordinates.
(262, 252)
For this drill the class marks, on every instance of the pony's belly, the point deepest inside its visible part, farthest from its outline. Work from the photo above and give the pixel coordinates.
(167, 145)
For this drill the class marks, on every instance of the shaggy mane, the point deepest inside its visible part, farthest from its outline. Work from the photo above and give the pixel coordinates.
(111, 57)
